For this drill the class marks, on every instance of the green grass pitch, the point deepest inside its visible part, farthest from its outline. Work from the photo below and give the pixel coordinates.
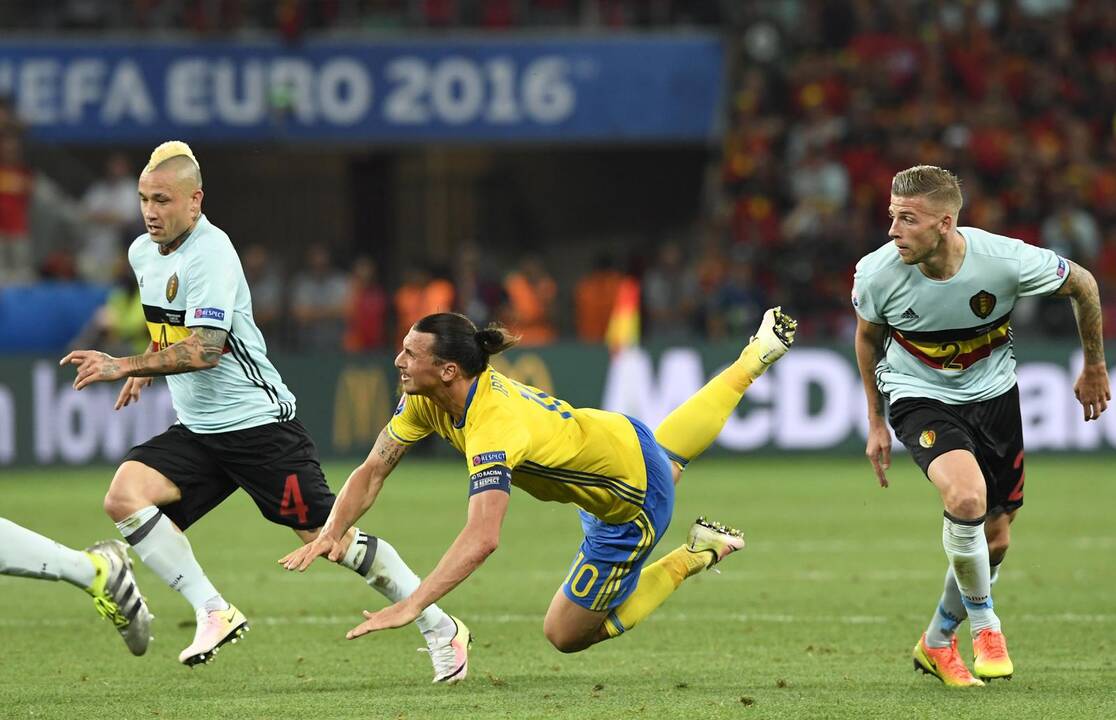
(816, 619)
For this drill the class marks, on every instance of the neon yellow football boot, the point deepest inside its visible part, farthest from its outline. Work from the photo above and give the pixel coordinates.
(990, 656)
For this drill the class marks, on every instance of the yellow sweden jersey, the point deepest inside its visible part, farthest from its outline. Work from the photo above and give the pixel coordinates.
(588, 457)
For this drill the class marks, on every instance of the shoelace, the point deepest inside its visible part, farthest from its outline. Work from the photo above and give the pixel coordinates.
(956, 665)
(444, 657)
(953, 662)
(992, 647)
(108, 608)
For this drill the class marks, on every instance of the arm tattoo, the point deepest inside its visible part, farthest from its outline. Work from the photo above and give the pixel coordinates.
(388, 450)
(213, 343)
(199, 351)
(109, 368)
(1081, 287)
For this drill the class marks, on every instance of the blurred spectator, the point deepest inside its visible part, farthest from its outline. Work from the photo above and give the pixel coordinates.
(1072, 232)
(422, 293)
(478, 295)
(669, 297)
(118, 327)
(265, 283)
(367, 309)
(16, 182)
(318, 302)
(737, 303)
(532, 293)
(111, 210)
(595, 297)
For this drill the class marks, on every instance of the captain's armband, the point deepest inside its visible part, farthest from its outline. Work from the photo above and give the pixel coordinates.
(497, 477)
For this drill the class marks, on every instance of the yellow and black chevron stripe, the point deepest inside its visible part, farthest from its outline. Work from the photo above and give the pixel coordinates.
(166, 327)
(955, 350)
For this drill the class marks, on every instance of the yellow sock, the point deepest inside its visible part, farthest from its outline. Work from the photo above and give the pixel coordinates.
(656, 583)
(696, 423)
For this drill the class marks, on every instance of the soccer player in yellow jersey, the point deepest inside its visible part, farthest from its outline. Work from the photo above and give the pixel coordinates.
(619, 473)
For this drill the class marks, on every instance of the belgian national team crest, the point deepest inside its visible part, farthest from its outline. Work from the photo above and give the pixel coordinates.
(927, 438)
(982, 303)
(172, 287)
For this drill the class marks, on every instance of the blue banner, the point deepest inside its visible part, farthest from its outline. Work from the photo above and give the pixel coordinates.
(635, 88)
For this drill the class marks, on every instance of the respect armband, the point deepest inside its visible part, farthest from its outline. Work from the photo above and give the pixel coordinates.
(497, 477)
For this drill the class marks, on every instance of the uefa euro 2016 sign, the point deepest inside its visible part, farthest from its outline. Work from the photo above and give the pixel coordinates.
(639, 88)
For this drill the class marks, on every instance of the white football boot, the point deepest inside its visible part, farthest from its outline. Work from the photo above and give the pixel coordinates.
(116, 594)
(449, 651)
(775, 335)
(215, 628)
(713, 537)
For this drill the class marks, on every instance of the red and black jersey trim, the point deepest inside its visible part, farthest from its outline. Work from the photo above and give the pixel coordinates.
(955, 349)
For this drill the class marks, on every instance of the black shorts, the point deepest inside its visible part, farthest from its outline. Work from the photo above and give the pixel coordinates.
(277, 464)
(991, 430)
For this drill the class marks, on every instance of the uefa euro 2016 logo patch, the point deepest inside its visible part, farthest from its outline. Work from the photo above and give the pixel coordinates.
(490, 457)
(927, 438)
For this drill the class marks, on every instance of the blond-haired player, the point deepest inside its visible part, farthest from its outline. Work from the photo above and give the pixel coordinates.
(236, 419)
(934, 337)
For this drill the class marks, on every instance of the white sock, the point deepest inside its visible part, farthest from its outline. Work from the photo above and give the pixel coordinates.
(26, 553)
(165, 549)
(967, 551)
(379, 564)
(951, 611)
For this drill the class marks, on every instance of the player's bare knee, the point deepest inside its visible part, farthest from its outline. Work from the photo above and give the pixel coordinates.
(121, 500)
(136, 486)
(563, 641)
(966, 505)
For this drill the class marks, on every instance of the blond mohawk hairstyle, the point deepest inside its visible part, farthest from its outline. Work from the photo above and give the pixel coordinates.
(168, 150)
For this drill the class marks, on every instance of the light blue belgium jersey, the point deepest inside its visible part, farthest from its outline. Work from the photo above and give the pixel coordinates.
(201, 284)
(950, 340)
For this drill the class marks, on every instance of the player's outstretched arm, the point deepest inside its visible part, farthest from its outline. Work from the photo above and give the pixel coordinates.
(200, 350)
(476, 541)
(130, 393)
(356, 496)
(869, 351)
(1091, 389)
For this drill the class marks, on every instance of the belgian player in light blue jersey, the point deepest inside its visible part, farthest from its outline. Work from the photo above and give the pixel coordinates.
(236, 420)
(613, 468)
(934, 338)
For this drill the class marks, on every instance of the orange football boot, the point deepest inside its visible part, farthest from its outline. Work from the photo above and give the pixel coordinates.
(944, 663)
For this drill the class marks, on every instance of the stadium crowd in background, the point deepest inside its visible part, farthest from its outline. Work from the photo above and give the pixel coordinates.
(1017, 98)
(292, 18)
